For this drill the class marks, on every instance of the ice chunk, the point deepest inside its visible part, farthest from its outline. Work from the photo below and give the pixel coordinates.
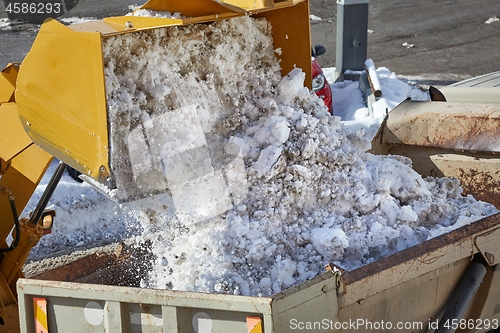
(267, 159)
(281, 130)
(330, 242)
(292, 85)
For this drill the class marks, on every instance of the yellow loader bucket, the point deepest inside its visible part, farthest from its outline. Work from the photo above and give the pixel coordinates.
(61, 88)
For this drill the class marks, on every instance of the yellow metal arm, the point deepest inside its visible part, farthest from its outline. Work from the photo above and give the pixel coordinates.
(22, 165)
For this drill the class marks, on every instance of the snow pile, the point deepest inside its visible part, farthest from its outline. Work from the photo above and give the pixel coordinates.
(348, 101)
(267, 187)
(85, 219)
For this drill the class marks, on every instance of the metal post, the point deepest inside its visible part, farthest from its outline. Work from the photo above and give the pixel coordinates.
(49, 190)
(352, 37)
(461, 298)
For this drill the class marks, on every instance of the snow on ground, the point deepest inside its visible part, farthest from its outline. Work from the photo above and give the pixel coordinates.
(6, 24)
(266, 187)
(17, 25)
(492, 19)
(77, 20)
(348, 101)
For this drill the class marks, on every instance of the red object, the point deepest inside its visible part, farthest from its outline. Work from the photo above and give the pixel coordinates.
(320, 85)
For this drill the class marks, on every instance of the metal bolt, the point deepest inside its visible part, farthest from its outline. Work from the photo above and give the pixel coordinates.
(490, 257)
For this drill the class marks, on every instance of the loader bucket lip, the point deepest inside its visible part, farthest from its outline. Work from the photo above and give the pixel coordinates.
(217, 7)
(112, 26)
(64, 116)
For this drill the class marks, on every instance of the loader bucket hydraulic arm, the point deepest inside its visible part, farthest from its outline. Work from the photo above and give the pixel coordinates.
(22, 165)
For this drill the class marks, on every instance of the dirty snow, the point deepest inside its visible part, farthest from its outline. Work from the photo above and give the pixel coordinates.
(247, 185)
(492, 20)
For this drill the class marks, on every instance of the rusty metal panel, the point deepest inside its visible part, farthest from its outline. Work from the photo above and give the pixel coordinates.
(122, 265)
(489, 246)
(455, 126)
(416, 303)
(479, 176)
(78, 268)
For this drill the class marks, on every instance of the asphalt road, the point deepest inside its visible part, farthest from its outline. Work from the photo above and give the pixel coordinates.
(15, 45)
(450, 37)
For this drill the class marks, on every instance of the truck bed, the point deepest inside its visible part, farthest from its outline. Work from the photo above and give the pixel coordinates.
(411, 287)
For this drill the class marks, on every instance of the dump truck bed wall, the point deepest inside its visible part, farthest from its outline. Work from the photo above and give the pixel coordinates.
(76, 307)
(410, 287)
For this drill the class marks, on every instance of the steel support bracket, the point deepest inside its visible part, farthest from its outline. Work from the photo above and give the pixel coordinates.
(489, 247)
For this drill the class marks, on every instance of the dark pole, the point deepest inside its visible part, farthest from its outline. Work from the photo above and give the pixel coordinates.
(47, 194)
(461, 297)
(352, 37)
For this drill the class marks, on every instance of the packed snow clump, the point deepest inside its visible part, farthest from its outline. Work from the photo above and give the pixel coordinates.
(266, 185)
